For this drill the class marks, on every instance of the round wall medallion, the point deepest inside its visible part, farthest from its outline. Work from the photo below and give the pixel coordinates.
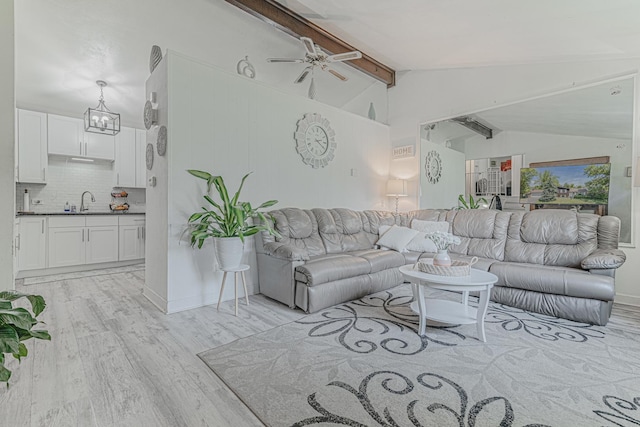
(149, 156)
(433, 166)
(162, 141)
(150, 115)
(315, 140)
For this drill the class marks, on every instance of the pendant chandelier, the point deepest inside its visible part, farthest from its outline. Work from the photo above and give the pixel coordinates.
(101, 119)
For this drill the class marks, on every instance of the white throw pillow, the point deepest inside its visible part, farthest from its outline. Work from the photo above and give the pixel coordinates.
(396, 238)
(421, 244)
(430, 226)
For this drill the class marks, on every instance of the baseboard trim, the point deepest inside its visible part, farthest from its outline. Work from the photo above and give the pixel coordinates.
(155, 299)
(75, 268)
(627, 300)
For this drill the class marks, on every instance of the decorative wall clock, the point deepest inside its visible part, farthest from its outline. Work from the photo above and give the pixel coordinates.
(150, 115)
(433, 166)
(315, 140)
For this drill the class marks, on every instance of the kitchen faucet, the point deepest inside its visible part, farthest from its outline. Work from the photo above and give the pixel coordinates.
(93, 199)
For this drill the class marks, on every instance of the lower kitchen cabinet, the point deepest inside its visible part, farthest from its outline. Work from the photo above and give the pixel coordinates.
(30, 244)
(82, 240)
(132, 237)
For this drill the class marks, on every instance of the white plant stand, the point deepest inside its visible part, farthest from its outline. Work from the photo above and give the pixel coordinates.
(450, 311)
(239, 270)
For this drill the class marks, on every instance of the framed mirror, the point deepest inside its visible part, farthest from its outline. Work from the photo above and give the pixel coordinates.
(543, 134)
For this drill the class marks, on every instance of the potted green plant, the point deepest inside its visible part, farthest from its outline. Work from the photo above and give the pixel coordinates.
(16, 325)
(228, 222)
(472, 203)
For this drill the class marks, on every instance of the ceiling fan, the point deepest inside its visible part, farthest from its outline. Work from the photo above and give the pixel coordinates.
(315, 57)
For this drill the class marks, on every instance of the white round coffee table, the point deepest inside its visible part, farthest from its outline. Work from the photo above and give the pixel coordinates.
(450, 311)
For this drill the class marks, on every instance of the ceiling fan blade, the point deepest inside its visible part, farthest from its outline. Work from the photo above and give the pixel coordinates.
(337, 74)
(286, 60)
(347, 56)
(303, 75)
(309, 46)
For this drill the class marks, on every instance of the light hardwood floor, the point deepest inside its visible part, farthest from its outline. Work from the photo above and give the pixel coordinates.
(115, 360)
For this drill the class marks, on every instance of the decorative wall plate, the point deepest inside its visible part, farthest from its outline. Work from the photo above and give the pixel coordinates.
(155, 57)
(433, 166)
(149, 156)
(161, 144)
(150, 115)
(315, 140)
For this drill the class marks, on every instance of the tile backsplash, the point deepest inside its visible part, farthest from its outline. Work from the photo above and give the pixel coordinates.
(67, 180)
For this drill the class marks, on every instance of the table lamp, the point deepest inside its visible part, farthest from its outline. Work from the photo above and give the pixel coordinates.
(397, 188)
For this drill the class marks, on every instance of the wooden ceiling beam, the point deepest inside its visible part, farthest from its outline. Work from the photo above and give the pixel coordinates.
(290, 22)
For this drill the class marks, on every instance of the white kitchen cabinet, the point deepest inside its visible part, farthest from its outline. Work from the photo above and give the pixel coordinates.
(125, 163)
(32, 147)
(141, 163)
(99, 146)
(132, 237)
(65, 135)
(77, 240)
(31, 243)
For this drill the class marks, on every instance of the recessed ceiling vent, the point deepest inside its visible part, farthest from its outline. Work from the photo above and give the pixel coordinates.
(474, 125)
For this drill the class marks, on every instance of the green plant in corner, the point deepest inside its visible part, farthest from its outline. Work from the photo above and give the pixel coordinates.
(472, 203)
(230, 217)
(16, 325)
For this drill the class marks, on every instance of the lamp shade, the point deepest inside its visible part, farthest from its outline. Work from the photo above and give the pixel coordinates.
(397, 187)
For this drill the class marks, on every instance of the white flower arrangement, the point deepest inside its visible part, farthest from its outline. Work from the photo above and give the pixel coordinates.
(442, 240)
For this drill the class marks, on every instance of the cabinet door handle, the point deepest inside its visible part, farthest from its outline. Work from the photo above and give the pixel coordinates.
(18, 242)
(143, 233)
(138, 229)
(43, 226)
(44, 174)
(118, 178)
(81, 148)
(83, 234)
(85, 149)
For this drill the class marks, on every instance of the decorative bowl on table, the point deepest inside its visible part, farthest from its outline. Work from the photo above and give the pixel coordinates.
(457, 268)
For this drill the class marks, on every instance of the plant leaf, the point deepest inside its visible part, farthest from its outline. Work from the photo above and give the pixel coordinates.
(17, 316)
(37, 304)
(41, 335)
(237, 195)
(5, 374)
(22, 351)
(9, 341)
(267, 204)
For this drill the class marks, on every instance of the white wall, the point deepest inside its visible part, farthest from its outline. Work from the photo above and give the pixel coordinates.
(230, 125)
(7, 132)
(444, 193)
(429, 96)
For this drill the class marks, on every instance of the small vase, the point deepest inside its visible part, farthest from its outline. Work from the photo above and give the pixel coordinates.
(442, 258)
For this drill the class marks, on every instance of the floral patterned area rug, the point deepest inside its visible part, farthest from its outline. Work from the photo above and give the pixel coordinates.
(363, 364)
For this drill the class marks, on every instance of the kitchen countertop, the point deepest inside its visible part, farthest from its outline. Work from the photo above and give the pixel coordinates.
(109, 213)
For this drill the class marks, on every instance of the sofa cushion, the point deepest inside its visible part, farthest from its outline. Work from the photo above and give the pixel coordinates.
(551, 237)
(297, 228)
(396, 237)
(380, 260)
(429, 226)
(342, 230)
(330, 268)
(482, 233)
(554, 280)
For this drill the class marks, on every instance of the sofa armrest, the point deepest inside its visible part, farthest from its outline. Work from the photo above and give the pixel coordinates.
(286, 252)
(604, 259)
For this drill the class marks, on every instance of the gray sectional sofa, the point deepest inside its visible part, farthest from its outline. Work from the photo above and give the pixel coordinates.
(554, 262)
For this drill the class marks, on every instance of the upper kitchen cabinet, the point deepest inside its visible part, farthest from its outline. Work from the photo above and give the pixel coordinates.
(141, 153)
(32, 147)
(68, 138)
(130, 163)
(125, 164)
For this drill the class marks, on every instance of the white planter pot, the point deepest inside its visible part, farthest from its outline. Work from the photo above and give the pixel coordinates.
(229, 251)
